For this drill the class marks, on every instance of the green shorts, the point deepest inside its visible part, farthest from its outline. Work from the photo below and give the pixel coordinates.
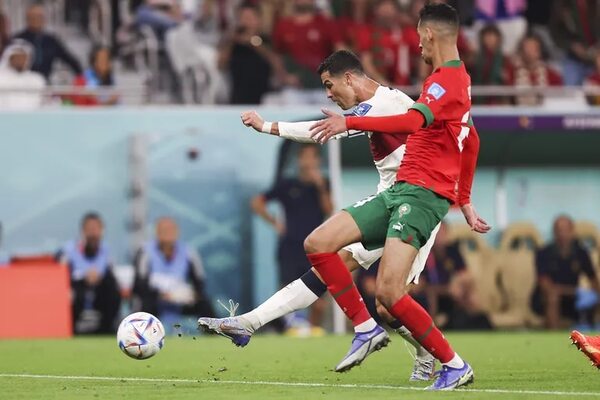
(404, 211)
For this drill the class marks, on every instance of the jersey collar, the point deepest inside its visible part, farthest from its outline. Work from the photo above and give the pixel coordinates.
(452, 63)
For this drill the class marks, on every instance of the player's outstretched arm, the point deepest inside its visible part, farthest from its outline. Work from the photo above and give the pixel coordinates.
(296, 131)
(335, 123)
(469, 156)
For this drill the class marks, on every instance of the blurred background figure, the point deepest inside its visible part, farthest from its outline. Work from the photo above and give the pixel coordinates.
(508, 15)
(95, 292)
(160, 15)
(574, 27)
(304, 39)
(447, 289)
(306, 203)
(99, 74)
(47, 47)
(169, 277)
(559, 267)
(4, 29)
(593, 79)
(387, 47)
(490, 65)
(531, 69)
(20, 88)
(247, 57)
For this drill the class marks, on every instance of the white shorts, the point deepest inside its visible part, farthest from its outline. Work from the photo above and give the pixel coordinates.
(366, 258)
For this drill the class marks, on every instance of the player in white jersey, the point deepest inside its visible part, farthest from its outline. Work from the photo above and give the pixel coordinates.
(345, 84)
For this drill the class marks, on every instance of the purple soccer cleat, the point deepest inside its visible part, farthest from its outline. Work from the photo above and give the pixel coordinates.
(363, 344)
(451, 378)
(231, 328)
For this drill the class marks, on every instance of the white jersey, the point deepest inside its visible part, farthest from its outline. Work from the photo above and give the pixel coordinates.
(387, 149)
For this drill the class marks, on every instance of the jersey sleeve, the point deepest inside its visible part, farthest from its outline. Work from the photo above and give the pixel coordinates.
(300, 131)
(435, 98)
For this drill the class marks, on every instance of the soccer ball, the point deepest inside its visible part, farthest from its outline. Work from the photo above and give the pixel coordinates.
(141, 335)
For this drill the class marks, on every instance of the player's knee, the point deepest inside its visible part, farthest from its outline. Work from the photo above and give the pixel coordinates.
(388, 293)
(317, 243)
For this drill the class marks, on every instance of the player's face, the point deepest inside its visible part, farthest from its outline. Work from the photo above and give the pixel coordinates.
(425, 43)
(339, 89)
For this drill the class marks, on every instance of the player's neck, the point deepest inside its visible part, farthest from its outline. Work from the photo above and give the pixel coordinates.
(366, 89)
(445, 54)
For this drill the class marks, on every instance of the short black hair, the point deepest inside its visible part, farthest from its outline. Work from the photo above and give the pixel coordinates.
(91, 216)
(339, 62)
(439, 12)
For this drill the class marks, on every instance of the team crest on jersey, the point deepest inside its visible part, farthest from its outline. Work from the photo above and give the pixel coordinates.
(362, 109)
(403, 210)
(436, 90)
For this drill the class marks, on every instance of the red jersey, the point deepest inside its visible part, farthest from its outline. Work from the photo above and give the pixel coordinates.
(433, 153)
(308, 44)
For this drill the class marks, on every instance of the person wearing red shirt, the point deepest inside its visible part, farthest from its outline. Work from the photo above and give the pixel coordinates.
(386, 48)
(437, 171)
(304, 39)
(355, 14)
(531, 70)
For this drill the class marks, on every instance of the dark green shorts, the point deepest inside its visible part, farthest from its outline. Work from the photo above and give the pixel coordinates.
(403, 211)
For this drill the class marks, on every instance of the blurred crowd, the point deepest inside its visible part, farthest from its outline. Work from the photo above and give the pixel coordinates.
(253, 51)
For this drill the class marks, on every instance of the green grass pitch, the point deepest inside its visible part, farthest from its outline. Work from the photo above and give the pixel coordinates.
(507, 366)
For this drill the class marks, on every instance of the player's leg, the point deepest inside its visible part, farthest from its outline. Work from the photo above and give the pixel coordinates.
(416, 213)
(299, 294)
(365, 221)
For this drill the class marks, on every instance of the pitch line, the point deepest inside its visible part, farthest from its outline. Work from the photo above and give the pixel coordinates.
(288, 384)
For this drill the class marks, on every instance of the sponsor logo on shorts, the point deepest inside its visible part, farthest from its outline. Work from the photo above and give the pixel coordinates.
(398, 226)
(364, 201)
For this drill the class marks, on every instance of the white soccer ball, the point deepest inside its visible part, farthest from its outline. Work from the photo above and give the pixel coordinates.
(141, 335)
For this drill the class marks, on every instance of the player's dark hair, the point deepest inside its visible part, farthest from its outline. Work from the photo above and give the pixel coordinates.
(439, 13)
(91, 216)
(339, 62)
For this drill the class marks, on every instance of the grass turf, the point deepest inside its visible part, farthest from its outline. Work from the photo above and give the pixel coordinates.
(505, 361)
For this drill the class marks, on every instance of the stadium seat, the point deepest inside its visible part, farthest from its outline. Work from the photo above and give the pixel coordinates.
(481, 263)
(521, 234)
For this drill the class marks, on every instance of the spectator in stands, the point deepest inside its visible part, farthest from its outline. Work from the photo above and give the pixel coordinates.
(574, 26)
(491, 66)
(169, 276)
(20, 88)
(448, 289)
(247, 57)
(47, 47)
(386, 48)
(304, 39)
(593, 80)
(507, 15)
(531, 69)
(98, 75)
(306, 203)
(559, 266)
(95, 292)
(354, 15)
(160, 15)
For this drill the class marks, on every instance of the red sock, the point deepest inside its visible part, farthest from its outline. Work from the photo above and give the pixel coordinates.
(341, 286)
(419, 323)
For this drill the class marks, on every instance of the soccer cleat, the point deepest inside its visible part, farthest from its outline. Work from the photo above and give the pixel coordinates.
(452, 378)
(588, 345)
(230, 328)
(363, 344)
(423, 369)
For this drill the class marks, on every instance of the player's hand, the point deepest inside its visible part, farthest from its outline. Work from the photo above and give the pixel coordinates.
(327, 128)
(253, 120)
(474, 220)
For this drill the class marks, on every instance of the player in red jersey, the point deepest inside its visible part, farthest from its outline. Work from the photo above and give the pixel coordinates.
(437, 171)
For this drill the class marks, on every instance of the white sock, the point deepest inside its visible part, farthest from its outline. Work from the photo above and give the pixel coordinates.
(366, 326)
(456, 362)
(405, 333)
(293, 297)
